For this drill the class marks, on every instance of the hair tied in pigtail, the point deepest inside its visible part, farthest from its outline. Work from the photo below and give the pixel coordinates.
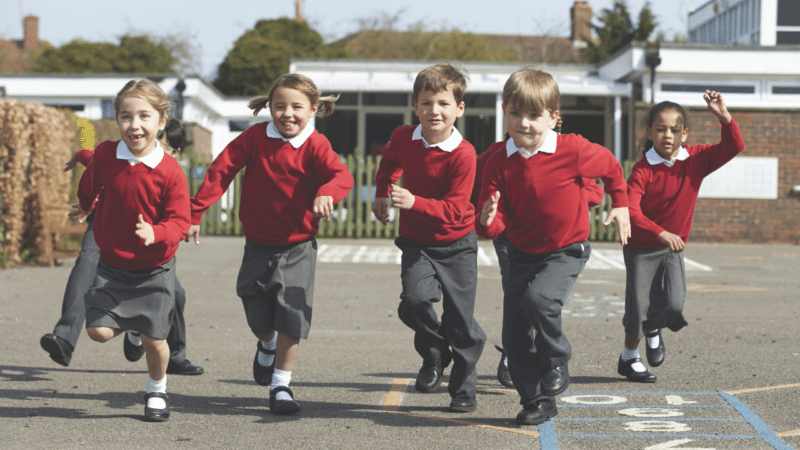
(258, 103)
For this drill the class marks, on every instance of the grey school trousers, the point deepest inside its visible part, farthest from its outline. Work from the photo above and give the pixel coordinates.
(536, 289)
(655, 290)
(450, 273)
(73, 308)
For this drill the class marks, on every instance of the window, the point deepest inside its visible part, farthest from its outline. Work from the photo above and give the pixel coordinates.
(732, 89)
(788, 13)
(238, 125)
(341, 129)
(792, 90)
(107, 109)
(788, 38)
(385, 99)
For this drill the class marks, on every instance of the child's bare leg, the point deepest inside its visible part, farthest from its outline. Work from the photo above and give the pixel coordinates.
(286, 352)
(103, 334)
(631, 342)
(157, 354)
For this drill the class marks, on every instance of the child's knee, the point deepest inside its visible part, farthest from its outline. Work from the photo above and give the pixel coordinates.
(99, 334)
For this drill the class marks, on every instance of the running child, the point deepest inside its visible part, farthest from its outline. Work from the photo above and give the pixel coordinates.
(293, 179)
(662, 191)
(437, 237)
(533, 190)
(140, 217)
(60, 344)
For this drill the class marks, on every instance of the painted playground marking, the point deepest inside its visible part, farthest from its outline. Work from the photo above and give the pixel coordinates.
(675, 417)
(389, 254)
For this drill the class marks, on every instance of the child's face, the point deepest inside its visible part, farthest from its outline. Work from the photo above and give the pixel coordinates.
(437, 112)
(529, 130)
(138, 125)
(668, 133)
(291, 110)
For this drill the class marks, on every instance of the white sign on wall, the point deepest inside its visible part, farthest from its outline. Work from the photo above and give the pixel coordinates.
(744, 177)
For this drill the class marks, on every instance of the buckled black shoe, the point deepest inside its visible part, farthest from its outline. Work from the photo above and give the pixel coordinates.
(155, 414)
(555, 381)
(429, 377)
(503, 375)
(263, 374)
(463, 405)
(59, 349)
(132, 352)
(537, 413)
(625, 369)
(184, 367)
(283, 407)
(655, 356)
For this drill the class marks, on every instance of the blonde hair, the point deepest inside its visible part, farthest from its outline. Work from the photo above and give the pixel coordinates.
(533, 90)
(442, 77)
(147, 91)
(302, 84)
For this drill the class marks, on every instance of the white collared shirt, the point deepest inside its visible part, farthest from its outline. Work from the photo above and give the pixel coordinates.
(549, 146)
(447, 145)
(151, 160)
(654, 158)
(297, 141)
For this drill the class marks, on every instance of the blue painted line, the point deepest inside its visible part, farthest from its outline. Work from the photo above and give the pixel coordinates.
(725, 436)
(625, 405)
(648, 419)
(758, 425)
(547, 436)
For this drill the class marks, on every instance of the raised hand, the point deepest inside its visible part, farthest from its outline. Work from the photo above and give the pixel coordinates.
(717, 106)
(489, 210)
(145, 231)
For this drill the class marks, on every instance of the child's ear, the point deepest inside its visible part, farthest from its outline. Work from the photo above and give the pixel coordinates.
(460, 109)
(684, 135)
(553, 119)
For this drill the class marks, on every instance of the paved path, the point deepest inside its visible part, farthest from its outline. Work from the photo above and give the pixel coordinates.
(731, 379)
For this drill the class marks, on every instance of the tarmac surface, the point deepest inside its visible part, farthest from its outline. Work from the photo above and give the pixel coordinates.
(731, 379)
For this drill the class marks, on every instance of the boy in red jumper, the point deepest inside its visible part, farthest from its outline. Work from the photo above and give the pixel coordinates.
(437, 235)
(293, 179)
(663, 189)
(533, 191)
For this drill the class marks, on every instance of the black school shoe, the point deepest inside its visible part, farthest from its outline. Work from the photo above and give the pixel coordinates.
(184, 367)
(625, 368)
(539, 412)
(463, 405)
(132, 352)
(154, 414)
(283, 407)
(429, 377)
(655, 356)
(503, 375)
(263, 374)
(555, 381)
(59, 349)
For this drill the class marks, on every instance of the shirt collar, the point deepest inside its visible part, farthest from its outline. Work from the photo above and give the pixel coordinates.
(151, 160)
(297, 141)
(549, 146)
(654, 158)
(447, 145)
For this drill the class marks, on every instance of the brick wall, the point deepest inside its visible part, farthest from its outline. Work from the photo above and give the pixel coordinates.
(774, 133)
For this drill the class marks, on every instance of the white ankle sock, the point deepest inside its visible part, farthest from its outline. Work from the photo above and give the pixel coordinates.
(652, 342)
(264, 359)
(628, 354)
(135, 339)
(281, 378)
(156, 386)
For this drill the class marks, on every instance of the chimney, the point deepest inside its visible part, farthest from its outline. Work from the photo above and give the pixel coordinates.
(30, 40)
(581, 23)
(298, 11)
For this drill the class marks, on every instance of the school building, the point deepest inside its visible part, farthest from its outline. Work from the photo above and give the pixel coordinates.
(755, 198)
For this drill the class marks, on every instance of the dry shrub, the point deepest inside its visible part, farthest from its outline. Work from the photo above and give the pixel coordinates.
(35, 143)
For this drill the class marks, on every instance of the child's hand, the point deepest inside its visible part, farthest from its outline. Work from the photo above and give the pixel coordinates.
(717, 106)
(193, 232)
(145, 231)
(381, 209)
(71, 164)
(401, 198)
(489, 209)
(674, 241)
(78, 213)
(623, 219)
(323, 207)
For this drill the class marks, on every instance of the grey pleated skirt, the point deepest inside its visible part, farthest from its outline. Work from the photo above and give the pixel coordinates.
(141, 301)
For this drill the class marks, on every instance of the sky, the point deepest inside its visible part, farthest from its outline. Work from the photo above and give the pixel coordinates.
(215, 25)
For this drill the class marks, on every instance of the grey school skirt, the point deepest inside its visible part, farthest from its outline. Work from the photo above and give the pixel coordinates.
(140, 301)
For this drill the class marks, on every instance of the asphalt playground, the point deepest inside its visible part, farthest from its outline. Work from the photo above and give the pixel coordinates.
(731, 379)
